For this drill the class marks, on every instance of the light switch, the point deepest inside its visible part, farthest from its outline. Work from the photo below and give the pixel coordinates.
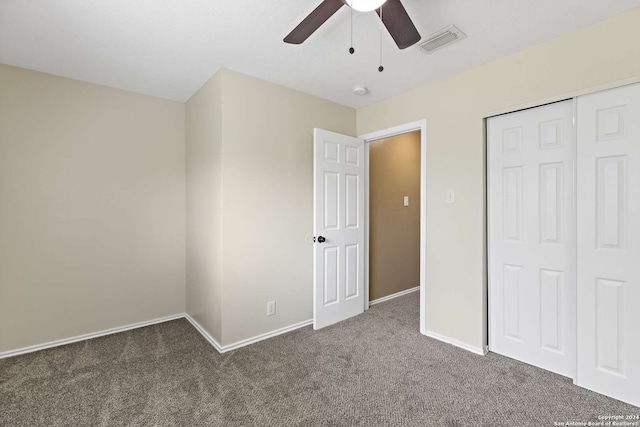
(406, 200)
(450, 196)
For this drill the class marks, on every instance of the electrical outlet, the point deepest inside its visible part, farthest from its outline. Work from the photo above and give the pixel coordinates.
(271, 308)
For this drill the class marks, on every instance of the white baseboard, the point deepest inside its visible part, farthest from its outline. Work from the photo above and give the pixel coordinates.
(464, 346)
(196, 325)
(266, 335)
(392, 296)
(204, 333)
(65, 341)
(248, 341)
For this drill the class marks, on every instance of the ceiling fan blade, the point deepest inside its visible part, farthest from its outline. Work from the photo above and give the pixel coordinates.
(311, 23)
(400, 26)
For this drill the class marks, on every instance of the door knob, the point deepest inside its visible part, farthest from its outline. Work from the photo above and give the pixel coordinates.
(321, 239)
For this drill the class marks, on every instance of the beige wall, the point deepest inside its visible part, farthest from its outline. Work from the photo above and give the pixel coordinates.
(394, 229)
(268, 203)
(249, 196)
(204, 206)
(92, 191)
(91, 208)
(596, 57)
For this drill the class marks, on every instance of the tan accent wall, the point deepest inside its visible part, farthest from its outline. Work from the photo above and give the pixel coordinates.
(597, 57)
(203, 123)
(394, 230)
(92, 214)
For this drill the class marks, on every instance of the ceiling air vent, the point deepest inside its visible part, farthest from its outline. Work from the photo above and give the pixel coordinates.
(442, 38)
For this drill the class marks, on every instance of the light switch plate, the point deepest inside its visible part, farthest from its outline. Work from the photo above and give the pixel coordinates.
(406, 200)
(450, 196)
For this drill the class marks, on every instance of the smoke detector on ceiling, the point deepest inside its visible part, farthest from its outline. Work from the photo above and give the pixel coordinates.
(360, 90)
(442, 38)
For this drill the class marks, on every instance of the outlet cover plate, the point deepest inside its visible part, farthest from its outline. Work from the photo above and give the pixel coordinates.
(271, 308)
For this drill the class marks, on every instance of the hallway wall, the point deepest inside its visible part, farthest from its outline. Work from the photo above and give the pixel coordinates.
(394, 229)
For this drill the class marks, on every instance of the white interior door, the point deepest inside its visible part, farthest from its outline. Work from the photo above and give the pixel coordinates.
(609, 243)
(532, 237)
(338, 199)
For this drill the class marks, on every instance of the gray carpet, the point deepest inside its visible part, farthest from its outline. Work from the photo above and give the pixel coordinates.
(373, 370)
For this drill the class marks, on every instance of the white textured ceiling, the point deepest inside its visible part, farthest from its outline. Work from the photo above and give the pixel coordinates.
(170, 48)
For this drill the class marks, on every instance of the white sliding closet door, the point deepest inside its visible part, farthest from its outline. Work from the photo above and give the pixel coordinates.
(532, 237)
(609, 243)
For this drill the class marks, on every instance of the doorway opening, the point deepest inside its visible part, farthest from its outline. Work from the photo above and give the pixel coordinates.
(394, 217)
(341, 222)
(395, 214)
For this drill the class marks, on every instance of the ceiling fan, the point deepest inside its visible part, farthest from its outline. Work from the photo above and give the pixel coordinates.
(394, 17)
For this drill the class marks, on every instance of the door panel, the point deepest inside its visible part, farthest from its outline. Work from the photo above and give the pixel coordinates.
(551, 308)
(532, 237)
(608, 169)
(339, 218)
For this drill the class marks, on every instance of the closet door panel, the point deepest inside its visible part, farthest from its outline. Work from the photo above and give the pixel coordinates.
(608, 171)
(532, 236)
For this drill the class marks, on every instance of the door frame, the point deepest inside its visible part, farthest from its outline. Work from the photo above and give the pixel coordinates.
(419, 125)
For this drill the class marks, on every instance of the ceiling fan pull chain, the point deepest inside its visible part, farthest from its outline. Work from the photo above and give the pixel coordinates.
(351, 49)
(381, 68)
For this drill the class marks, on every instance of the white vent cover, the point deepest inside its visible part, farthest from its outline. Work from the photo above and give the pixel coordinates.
(442, 38)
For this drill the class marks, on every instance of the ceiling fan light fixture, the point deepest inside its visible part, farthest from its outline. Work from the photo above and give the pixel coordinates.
(364, 5)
